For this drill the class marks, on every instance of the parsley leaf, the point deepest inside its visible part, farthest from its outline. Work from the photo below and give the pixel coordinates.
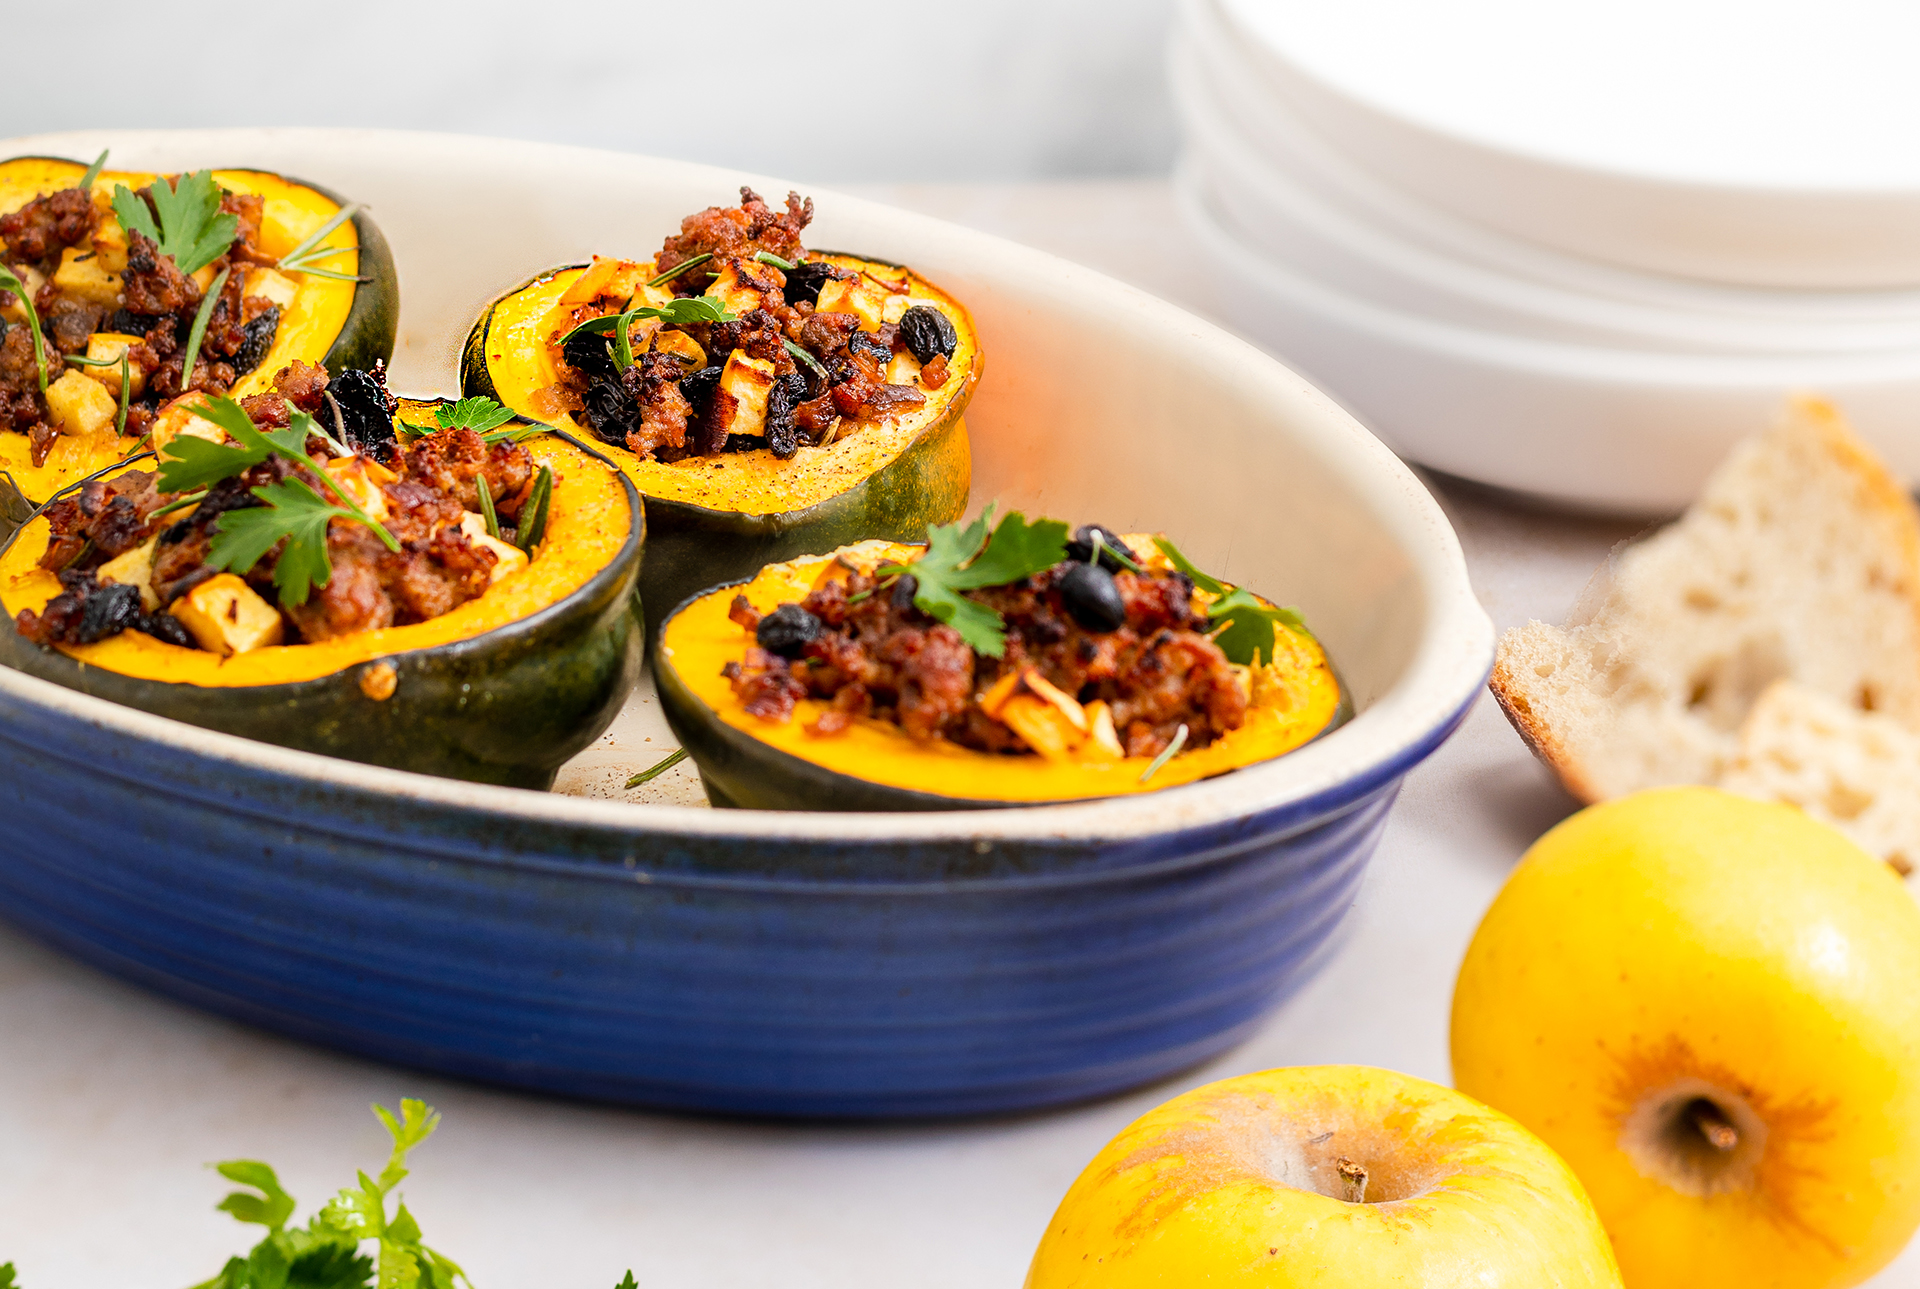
(678, 313)
(271, 1208)
(1246, 621)
(189, 462)
(294, 511)
(628, 1283)
(955, 561)
(7, 1281)
(472, 414)
(192, 230)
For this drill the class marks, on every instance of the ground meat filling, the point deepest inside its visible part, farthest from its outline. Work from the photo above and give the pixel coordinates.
(878, 656)
(437, 568)
(157, 303)
(670, 404)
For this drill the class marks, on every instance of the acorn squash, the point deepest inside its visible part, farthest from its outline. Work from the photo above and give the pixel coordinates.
(503, 689)
(750, 762)
(722, 517)
(341, 324)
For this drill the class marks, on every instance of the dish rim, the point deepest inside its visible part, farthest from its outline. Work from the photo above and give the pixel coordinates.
(1436, 686)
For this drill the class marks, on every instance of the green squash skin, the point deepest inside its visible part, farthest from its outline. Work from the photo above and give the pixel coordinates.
(506, 707)
(739, 771)
(690, 548)
(373, 323)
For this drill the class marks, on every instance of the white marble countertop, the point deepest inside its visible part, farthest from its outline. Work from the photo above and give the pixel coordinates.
(112, 1100)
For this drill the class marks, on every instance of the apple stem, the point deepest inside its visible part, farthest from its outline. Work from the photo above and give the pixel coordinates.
(1712, 1123)
(1353, 1177)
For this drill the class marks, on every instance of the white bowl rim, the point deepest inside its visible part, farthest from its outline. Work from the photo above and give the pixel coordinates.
(1441, 679)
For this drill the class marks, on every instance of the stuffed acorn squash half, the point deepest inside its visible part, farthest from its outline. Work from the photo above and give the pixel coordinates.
(119, 291)
(445, 590)
(768, 401)
(998, 669)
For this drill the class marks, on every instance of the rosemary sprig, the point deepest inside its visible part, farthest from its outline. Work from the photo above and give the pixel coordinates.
(807, 358)
(1100, 544)
(658, 768)
(93, 172)
(1166, 754)
(179, 503)
(126, 391)
(768, 257)
(533, 515)
(486, 507)
(11, 283)
(680, 268)
(199, 332)
(303, 258)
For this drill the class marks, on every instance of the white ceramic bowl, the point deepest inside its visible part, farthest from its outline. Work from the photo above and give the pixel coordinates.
(780, 962)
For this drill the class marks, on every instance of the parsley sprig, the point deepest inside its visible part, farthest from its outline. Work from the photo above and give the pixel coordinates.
(191, 229)
(293, 510)
(325, 1254)
(963, 559)
(1245, 622)
(682, 312)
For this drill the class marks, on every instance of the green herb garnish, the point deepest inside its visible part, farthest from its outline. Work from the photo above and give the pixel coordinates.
(325, 1254)
(533, 515)
(628, 1283)
(199, 332)
(768, 257)
(93, 171)
(478, 413)
(192, 230)
(653, 772)
(812, 363)
(294, 511)
(680, 268)
(8, 1282)
(963, 559)
(1167, 754)
(303, 258)
(679, 313)
(9, 282)
(1245, 630)
(486, 506)
(179, 503)
(126, 395)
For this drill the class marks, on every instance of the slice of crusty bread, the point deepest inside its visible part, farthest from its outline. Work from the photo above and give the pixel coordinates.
(1858, 771)
(1800, 561)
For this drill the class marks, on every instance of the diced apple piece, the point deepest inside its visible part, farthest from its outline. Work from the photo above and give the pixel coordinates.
(679, 342)
(81, 406)
(739, 297)
(896, 306)
(857, 296)
(134, 568)
(227, 616)
(510, 559)
(1103, 741)
(357, 481)
(84, 274)
(1040, 725)
(271, 284)
(107, 346)
(110, 242)
(749, 381)
(182, 416)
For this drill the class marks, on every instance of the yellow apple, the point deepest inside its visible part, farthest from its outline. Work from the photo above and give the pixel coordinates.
(1710, 1006)
(1337, 1176)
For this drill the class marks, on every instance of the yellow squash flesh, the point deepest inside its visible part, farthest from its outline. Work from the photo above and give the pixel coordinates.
(586, 527)
(1295, 697)
(308, 326)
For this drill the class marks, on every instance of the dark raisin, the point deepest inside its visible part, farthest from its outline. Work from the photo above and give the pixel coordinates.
(787, 393)
(365, 408)
(1091, 597)
(107, 610)
(863, 342)
(1081, 547)
(697, 386)
(258, 340)
(805, 280)
(131, 324)
(904, 590)
(926, 331)
(590, 355)
(168, 629)
(611, 412)
(787, 631)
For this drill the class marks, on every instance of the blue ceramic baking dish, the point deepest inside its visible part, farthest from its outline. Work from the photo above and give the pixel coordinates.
(763, 962)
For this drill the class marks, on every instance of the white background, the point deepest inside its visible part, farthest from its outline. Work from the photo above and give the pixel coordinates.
(819, 90)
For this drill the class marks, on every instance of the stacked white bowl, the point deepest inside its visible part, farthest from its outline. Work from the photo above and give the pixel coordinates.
(1571, 250)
